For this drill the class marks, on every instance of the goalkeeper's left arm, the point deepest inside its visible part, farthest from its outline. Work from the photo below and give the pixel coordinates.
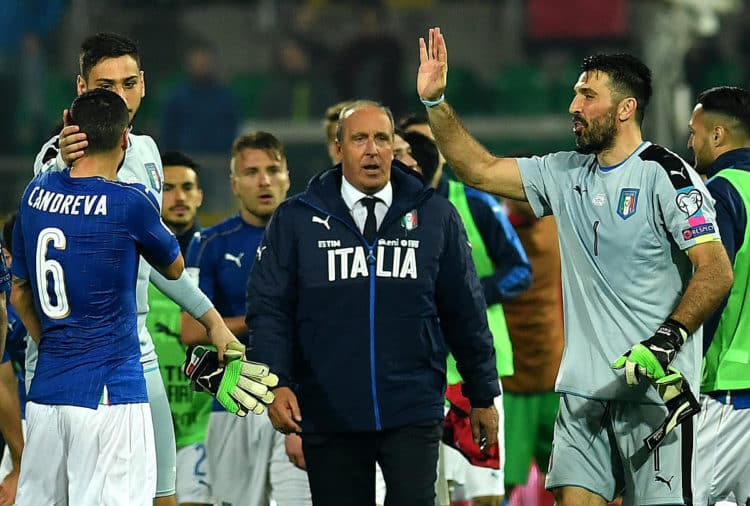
(709, 285)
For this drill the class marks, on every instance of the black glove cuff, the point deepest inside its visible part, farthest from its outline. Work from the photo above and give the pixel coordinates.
(678, 330)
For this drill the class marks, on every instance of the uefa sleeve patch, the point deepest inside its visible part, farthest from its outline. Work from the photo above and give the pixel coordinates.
(690, 202)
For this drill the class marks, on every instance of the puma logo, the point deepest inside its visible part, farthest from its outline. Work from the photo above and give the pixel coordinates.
(578, 189)
(236, 259)
(316, 219)
(259, 252)
(680, 172)
(668, 482)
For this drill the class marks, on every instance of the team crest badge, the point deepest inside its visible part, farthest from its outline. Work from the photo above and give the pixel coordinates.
(410, 221)
(628, 202)
(154, 176)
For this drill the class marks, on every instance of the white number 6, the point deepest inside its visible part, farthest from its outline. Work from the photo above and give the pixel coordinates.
(45, 266)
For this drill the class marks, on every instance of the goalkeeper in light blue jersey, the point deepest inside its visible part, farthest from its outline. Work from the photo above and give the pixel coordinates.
(643, 266)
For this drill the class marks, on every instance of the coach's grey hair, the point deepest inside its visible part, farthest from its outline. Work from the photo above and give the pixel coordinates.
(361, 104)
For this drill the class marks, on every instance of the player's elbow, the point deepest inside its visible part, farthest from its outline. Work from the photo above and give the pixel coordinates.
(726, 278)
(174, 270)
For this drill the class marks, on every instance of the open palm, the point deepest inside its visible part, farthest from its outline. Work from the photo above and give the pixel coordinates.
(433, 66)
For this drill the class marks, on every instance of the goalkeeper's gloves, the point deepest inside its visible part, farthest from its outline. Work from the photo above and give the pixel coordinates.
(651, 358)
(240, 386)
(680, 402)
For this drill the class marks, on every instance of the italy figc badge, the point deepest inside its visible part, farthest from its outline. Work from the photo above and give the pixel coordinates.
(410, 220)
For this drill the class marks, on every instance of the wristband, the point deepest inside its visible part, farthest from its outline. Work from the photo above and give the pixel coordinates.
(433, 103)
(681, 329)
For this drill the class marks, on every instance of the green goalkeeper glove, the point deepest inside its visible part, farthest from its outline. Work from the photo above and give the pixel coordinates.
(651, 358)
(240, 386)
(680, 402)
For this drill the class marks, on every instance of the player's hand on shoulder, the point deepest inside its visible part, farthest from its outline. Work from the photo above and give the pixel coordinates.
(72, 142)
(240, 386)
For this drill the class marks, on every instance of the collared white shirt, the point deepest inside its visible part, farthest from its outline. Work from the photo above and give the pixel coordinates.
(352, 198)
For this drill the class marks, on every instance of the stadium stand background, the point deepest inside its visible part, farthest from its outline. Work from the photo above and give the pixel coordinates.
(513, 64)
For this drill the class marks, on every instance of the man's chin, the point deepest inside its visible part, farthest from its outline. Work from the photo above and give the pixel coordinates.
(584, 149)
(177, 222)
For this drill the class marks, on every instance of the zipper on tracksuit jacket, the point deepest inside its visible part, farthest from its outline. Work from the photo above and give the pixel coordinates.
(371, 269)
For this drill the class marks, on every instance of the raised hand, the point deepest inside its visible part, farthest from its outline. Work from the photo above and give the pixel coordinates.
(433, 66)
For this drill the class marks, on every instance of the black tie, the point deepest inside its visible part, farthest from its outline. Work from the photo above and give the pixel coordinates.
(371, 223)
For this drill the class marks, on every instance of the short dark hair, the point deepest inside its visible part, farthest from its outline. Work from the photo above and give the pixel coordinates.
(628, 77)
(177, 158)
(425, 152)
(8, 232)
(102, 115)
(105, 45)
(731, 101)
(259, 140)
(361, 104)
(411, 120)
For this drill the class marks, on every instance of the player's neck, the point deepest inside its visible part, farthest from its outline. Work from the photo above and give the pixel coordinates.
(101, 164)
(253, 219)
(626, 142)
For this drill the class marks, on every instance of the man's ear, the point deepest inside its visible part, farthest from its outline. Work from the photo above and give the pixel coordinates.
(80, 85)
(627, 108)
(718, 135)
(124, 141)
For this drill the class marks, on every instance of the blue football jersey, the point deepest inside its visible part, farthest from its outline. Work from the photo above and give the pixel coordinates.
(4, 274)
(77, 240)
(221, 257)
(15, 353)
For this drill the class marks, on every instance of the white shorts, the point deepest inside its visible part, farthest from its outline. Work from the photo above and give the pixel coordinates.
(477, 481)
(76, 455)
(192, 475)
(722, 452)
(6, 465)
(252, 445)
(161, 417)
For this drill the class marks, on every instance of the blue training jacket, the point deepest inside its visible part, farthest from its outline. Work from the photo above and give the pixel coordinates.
(361, 331)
